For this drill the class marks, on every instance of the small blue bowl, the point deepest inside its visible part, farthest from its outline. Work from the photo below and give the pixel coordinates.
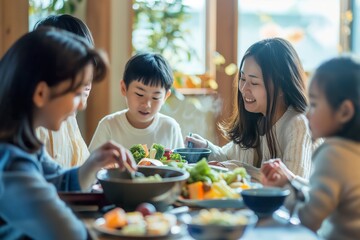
(193, 155)
(264, 201)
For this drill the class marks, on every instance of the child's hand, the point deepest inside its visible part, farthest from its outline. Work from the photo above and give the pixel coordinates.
(197, 140)
(108, 154)
(275, 173)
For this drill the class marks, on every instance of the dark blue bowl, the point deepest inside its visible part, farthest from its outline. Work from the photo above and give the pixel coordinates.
(218, 231)
(264, 201)
(193, 155)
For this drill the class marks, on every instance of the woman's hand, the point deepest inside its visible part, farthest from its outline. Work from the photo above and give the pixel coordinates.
(275, 173)
(216, 163)
(197, 140)
(108, 154)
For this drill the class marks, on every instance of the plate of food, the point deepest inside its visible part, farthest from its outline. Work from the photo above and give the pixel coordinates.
(209, 187)
(218, 224)
(213, 203)
(136, 225)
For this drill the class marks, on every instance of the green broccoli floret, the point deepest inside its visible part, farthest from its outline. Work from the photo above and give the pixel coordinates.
(176, 157)
(160, 150)
(138, 152)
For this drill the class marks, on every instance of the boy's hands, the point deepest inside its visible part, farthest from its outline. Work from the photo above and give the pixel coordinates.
(275, 173)
(197, 140)
(108, 154)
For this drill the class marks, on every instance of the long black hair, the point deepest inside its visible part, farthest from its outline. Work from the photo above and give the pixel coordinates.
(281, 71)
(48, 55)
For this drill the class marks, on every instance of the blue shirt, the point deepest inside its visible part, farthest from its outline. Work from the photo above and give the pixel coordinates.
(29, 204)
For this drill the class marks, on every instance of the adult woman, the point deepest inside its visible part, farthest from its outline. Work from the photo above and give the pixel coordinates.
(269, 120)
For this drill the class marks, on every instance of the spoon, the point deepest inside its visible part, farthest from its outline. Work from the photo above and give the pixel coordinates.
(131, 173)
(190, 144)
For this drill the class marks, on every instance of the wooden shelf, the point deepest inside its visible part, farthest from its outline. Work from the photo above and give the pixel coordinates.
(196, 91)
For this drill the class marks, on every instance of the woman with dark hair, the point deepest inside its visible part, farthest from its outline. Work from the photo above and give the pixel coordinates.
(42, 78)
(269, 120)
(66, 146)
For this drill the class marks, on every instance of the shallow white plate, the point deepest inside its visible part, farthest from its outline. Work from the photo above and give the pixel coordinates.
(99, 225)
(217, 168)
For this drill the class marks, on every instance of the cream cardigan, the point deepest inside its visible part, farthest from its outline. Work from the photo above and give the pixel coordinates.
(66, 146)
(294, 147)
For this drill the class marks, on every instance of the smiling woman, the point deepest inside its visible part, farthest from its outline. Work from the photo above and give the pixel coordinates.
(269, 121)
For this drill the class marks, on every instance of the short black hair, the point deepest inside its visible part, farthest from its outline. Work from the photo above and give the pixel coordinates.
(149, 68)
(339, 80)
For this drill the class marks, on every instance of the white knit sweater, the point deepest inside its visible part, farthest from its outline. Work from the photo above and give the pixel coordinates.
(294, 147)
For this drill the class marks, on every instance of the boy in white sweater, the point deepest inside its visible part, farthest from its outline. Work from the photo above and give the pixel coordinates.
(146, 85)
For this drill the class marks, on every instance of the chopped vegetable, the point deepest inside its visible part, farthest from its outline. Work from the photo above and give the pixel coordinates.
(115, 218)
(152, 153)
(154, 178)
(196, 190)
(236, 175)
(176, 156)
(167, 154)
(138, 152)
(160, 150)
(225, 189)
(202, 172)
(217, 217)
(146, 149)
(212, 194)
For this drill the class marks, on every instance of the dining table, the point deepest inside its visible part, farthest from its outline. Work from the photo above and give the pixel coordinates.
(275, 227)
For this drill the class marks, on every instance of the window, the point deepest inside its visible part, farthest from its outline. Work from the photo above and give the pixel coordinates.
(312, 26)
(39, 9)
(174, 28)
(355, 33)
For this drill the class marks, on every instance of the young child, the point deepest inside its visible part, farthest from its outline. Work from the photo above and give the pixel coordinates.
(66, 146)
(43, 76)
(269, 120)
(334, 186)
(146, 85)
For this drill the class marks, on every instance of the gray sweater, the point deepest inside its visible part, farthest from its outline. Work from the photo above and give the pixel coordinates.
(334, 196)
(29, 204)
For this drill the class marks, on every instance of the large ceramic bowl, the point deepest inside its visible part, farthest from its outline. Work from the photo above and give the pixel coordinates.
(128, 194)
(193, 155)
(264, 201)
(219, 231)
